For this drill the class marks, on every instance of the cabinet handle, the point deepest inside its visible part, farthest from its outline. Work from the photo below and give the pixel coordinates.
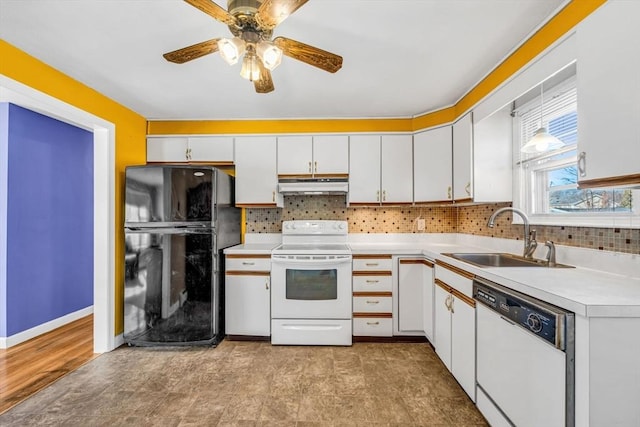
(384, 195)
(309, 167)
(448, 192)
(373, 281)
(372, 264)
(273, 196)
(373, 302)
(467, 188)
(451, 303)
(373, 323)
(266, 284)
(378, 196)
(582, 164)
(187, 153)
(315, 167)
(248, 263)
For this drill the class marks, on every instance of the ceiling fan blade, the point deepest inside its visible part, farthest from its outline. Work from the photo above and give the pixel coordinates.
(311, 55)
(265, 83)
(273, 12)
(195, 51)
(214, 11)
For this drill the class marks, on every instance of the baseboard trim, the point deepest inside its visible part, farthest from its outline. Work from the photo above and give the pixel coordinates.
(49, 326)
(119, 340)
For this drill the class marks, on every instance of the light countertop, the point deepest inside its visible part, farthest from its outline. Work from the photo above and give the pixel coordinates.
(590, 289)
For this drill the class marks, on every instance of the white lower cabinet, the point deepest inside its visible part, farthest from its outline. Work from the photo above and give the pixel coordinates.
(372, 296)
(455, 325)
(415, 297)
(248, 295)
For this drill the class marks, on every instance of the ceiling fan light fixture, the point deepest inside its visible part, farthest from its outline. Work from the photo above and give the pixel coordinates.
(231, 49)
(250, 68)
(270, 54)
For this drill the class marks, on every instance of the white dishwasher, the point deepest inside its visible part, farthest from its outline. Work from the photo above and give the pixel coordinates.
(525, 359)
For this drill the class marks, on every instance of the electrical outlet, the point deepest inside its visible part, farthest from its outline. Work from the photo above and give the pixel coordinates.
(421, 224)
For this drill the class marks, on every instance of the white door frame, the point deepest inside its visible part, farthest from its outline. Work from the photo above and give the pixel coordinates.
(103, 198)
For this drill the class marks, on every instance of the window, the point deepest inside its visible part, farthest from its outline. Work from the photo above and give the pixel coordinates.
(548, 183)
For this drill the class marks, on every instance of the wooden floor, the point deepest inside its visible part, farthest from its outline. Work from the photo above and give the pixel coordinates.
(31, 366)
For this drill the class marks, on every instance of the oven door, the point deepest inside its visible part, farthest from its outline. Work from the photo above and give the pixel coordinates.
(311, 286)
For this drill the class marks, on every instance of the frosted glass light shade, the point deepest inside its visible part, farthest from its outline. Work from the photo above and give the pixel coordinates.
(541, 142)
(231, 49)
(250, 68)
(270, 54)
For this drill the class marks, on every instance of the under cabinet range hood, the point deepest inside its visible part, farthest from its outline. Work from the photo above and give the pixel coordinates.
(313, 186)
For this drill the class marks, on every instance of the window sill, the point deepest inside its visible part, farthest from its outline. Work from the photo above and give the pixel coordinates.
(622, 221)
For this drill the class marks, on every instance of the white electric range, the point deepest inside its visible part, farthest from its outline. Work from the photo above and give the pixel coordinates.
(311, 298)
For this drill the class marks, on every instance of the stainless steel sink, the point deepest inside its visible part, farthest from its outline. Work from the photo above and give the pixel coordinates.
(502, 260)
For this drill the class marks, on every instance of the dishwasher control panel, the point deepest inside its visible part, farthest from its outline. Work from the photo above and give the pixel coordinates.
(539, 318)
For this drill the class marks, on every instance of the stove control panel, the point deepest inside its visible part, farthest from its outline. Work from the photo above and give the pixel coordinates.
(310, 227)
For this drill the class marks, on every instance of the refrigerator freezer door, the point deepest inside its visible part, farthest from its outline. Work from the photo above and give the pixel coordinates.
(171, 288)
(169, 194)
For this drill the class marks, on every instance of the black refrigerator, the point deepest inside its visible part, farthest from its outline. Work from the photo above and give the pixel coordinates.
(178, 219)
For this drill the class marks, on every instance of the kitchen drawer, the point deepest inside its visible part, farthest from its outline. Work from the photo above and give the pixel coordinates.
(372, 326)
(367, 283)
(370, 263)
(257, 262)
(372, 304)
(456, 278)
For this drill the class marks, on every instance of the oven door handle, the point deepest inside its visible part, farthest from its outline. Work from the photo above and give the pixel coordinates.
(310, 261)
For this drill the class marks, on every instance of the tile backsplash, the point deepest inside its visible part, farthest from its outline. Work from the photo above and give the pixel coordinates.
(439, 219)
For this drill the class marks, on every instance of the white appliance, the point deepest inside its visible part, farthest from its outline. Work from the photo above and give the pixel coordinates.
(525, 359)
(311, 284)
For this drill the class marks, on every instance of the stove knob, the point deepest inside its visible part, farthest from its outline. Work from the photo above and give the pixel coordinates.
(534, 322)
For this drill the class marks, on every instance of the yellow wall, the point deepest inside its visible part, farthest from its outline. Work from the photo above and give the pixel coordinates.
(574, 12)
(130, 132)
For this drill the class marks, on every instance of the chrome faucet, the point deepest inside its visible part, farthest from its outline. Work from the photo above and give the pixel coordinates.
(551, 255)
(530, 243)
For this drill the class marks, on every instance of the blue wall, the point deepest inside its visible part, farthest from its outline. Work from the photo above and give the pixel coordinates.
(49, 220)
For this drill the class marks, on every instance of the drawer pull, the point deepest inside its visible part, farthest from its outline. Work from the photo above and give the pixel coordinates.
(372, 264)
(373, 323)
(373, 302)
(248, 263)
(373, 281)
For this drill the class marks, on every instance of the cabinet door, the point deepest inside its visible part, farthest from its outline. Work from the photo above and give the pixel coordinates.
(432, 165)
(256, 176)
(427, 302)
(410, 289)
(331, 155)
(167, 149)
(462, 161)
(247, 305)
(364, 169)
(463, 345)
(218, 149)
(608, 90)
(442, 332)
(492, 158)
(295, 155)
(397, 169)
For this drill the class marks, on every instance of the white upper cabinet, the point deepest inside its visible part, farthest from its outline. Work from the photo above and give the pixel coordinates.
(432, 165)
(331, 155)
(493, 158)
(204, 149)
(256, 176)
(380, 169)
(295, 155)
(317, 155)
(397, 169)
(462, 159)
(364, 169)
(608, 92)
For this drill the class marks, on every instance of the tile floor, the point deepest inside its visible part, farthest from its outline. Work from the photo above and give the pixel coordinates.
(255, 384)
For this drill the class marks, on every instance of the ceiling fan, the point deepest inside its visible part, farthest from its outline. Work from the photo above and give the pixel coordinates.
(252, 22)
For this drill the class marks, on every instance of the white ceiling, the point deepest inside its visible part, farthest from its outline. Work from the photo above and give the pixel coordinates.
(401, 57)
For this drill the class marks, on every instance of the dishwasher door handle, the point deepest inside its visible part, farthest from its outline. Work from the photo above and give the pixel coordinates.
(508, 321)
